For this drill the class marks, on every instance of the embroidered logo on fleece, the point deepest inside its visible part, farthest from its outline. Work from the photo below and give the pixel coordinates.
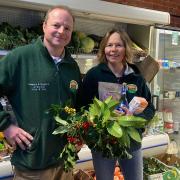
(73, 85)
(132, 88)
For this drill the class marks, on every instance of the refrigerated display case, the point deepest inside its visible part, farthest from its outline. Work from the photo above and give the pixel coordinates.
(164, 47)
(30, 12)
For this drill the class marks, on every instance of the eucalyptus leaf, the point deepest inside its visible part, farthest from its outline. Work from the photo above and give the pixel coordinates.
(134, 134)
(114, 129)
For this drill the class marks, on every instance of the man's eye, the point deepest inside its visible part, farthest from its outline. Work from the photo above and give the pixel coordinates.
(67, 28)
(56, 26)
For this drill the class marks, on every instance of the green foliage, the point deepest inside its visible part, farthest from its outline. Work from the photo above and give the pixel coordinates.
(12, 37)
(99, 127)
(2, 146)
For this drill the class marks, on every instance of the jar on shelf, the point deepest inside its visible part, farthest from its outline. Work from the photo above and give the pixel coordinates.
(168, 121)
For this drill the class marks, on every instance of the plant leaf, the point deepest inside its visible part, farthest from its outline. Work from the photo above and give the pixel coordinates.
(105, 115)
(111, 103)
(132, 121)
(61, 121)
(60, 130)
(97, 102)
(125, 137)
(114, 129)
(134, 134)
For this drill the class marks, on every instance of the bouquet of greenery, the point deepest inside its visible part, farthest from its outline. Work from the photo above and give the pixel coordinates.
(99, 127)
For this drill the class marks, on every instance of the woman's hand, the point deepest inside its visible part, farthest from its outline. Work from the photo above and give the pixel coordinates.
(127, 111)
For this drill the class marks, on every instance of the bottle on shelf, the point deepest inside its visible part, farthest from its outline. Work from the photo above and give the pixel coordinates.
(123, 99)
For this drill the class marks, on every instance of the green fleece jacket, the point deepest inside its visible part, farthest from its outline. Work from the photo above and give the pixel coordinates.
(32, 82)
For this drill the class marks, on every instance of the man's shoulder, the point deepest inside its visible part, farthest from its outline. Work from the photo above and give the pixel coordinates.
(26, 49)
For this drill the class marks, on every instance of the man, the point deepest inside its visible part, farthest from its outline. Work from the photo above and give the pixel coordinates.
(33, 77)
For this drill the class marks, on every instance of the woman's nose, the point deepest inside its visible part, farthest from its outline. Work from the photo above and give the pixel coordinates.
(113, 47)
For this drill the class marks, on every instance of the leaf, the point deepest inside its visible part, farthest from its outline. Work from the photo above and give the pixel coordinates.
(105, 115)
(134, 134)
(94, 110)
(61, 121)
(131, 121)
(111, 103)
(97, 102)
(60, 130)
(125, 138)
(114, 129)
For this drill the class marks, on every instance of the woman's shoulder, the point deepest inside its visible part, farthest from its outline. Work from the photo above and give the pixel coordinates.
(95, 69)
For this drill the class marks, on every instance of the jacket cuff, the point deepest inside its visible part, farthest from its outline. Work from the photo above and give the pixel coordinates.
(5, 120)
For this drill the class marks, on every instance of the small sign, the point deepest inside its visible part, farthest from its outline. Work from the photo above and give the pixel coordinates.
(158, 176)
(175, 38)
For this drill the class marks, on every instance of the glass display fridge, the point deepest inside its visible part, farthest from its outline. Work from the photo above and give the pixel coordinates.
(165, 48)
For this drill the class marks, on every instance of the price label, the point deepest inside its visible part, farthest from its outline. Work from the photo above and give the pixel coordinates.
(158, 176)
(175, 38)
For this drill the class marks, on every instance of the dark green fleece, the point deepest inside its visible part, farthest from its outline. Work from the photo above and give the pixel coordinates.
(32, 82)
(102, 73)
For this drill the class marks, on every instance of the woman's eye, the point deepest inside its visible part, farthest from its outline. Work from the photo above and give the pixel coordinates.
(109, 45)
(119, 45)
(115, 45)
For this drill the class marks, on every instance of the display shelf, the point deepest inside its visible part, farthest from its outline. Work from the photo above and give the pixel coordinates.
(151, 145)
(3, 52)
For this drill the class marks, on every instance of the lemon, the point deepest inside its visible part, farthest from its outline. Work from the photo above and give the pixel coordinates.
(1, 135)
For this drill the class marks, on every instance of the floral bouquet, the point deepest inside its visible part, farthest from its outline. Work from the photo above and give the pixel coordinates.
(99, 127)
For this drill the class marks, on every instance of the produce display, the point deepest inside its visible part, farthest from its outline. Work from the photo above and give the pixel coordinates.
(90, 174)
(11, 37)
(153, 168)
(82, 43)
(117, 174)
(3, 147)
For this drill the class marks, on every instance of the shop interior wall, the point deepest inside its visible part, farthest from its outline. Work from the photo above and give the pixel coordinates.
(173, 7)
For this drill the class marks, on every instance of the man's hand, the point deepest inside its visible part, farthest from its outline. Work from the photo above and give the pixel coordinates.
(17, 136)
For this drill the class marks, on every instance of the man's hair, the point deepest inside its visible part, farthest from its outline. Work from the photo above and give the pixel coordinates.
(58, 7)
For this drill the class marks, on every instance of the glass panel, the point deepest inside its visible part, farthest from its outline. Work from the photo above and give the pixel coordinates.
(165, 48)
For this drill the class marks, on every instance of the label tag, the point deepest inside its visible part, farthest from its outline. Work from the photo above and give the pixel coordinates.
(158, 176)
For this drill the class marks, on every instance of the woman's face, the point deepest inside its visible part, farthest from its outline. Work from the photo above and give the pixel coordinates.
(115, 50)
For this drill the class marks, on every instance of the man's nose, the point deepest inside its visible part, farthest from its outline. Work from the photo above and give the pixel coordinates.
(61, 29)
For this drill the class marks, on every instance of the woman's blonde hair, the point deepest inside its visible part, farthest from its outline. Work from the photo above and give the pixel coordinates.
(126, 41)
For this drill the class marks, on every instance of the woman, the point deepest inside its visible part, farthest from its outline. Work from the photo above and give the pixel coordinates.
(115, 66)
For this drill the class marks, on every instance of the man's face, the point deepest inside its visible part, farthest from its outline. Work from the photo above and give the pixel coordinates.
(58, 28)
